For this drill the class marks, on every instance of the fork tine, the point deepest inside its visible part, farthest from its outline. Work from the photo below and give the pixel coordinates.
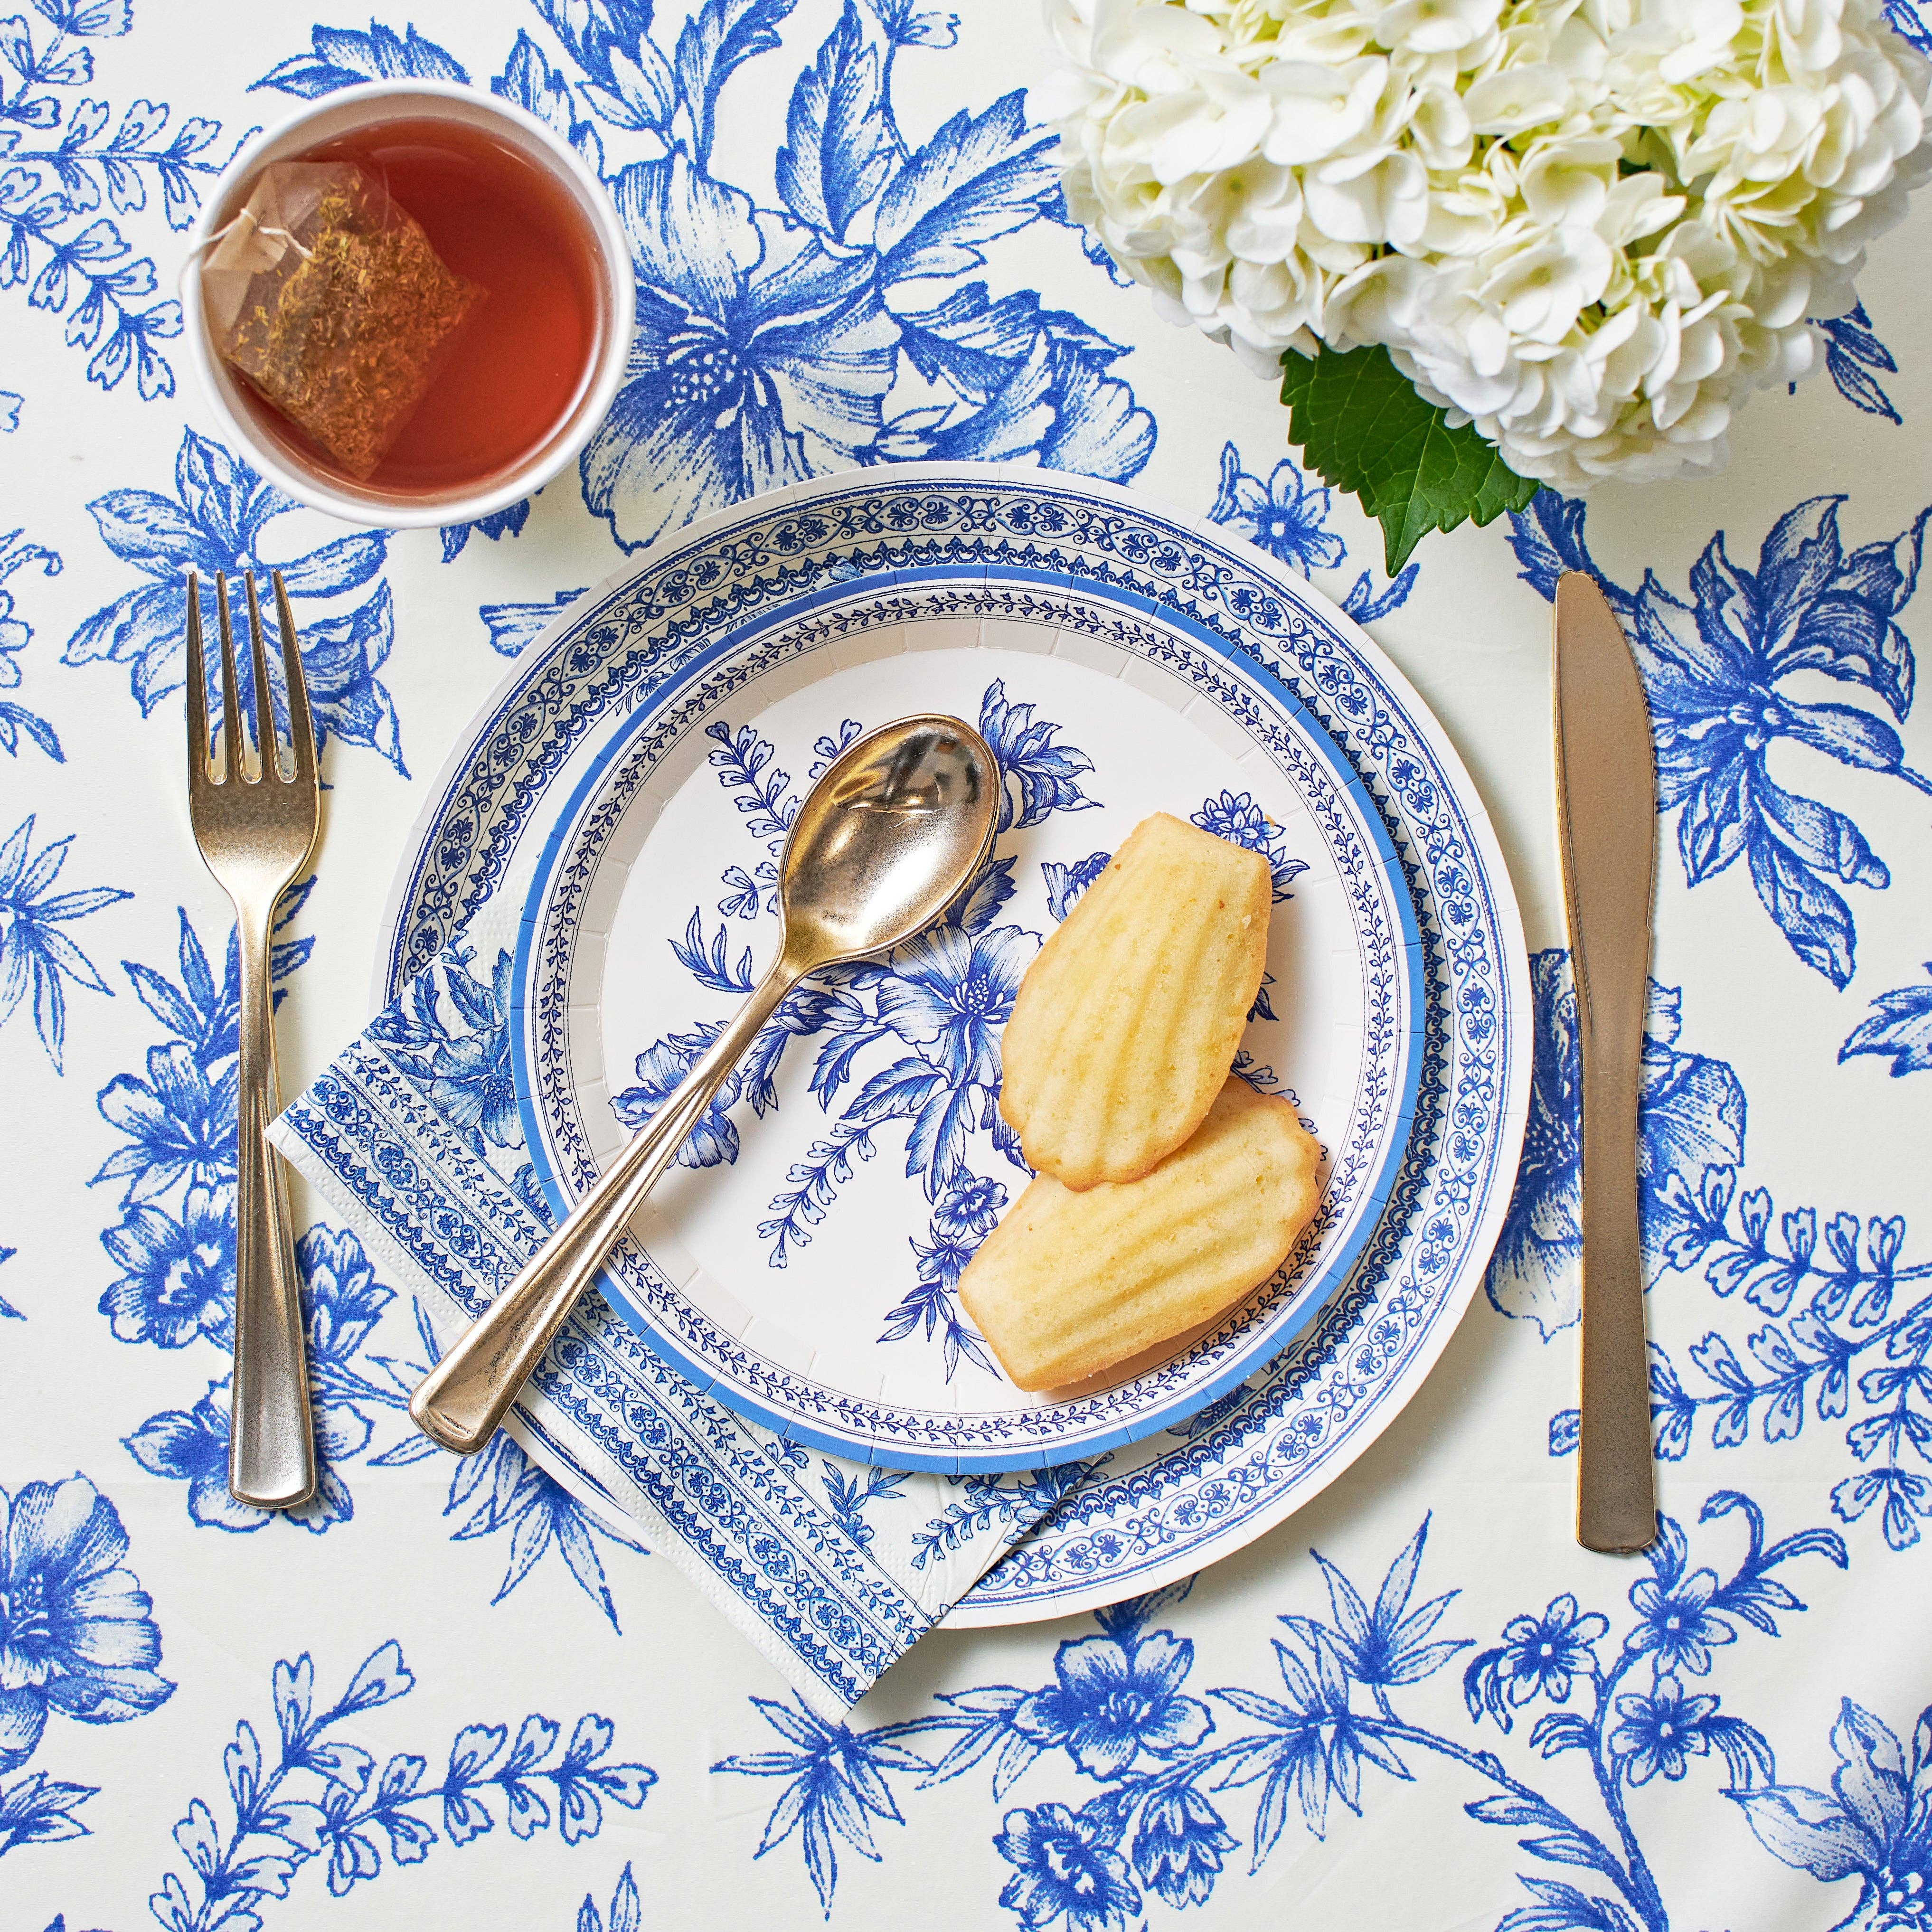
(231, 705)
(302, 732)
(267, 750)
(197, 691)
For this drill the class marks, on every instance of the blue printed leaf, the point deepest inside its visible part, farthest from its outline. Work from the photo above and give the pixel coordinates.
(719, 38)
(341, 57)
(1814, 920)
(1899, 1029)
(839, 152)
(977, 179)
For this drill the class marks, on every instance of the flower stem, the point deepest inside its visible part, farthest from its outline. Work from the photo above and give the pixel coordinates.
(1642, 1895)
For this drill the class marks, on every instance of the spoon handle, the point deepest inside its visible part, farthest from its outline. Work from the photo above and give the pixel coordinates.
(461, 1400)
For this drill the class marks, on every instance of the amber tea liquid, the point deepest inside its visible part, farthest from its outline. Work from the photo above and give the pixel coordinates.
(523, 359)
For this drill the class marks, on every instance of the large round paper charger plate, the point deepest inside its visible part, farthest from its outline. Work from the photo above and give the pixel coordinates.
(1125, 660)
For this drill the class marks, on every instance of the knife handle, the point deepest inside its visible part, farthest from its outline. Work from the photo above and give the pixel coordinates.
(1616, 1504)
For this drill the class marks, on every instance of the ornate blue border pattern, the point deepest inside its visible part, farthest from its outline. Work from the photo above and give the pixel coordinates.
(1368, 1145)
(1165, 1508)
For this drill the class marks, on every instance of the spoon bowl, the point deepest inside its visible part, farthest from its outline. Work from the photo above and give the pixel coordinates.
(891, 834)
(897, 827)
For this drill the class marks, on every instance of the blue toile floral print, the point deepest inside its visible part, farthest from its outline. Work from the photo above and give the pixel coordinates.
(787, 331)
(317, 1796)
(1287, 516)
(1871, 1824)
(62, 165)
(17, 724)
(77, 1640)
(173, 1252)
(217, 519)
(1692, 1116)
(1149, 1773)
(1717, 669)
(1848, 1336)
(850, 248)
(37, 957)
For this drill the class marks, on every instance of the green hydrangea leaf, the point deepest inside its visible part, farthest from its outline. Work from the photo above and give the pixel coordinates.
(1361, 427)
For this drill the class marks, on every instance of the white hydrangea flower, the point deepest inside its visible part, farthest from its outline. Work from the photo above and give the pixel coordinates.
(1591, 227)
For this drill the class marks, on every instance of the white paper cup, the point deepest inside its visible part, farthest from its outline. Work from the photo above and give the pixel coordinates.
(281, 461)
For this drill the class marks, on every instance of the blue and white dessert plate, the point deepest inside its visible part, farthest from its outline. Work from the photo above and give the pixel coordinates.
(629, 785)
(800, 1262)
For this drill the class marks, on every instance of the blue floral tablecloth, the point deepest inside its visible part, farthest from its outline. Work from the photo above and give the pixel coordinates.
(445, 1693)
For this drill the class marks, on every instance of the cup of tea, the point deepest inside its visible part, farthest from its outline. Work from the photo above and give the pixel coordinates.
(409, 304)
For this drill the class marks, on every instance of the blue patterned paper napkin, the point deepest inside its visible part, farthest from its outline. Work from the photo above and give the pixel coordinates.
(832, 1569)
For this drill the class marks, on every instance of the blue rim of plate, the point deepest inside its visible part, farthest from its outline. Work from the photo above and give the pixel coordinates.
(1070, 1441)
(1168, 1510)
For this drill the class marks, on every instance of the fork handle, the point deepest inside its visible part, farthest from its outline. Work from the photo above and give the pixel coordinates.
(271, 1438)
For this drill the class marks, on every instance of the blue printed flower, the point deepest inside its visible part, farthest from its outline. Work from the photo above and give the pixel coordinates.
(1039, 775)
(1541, 1656)
(216, 520)
(1661, 1732)
(1872, 1824)
(472, 1082)
(75, 1636)
(1068, 1869)
(1237, 817)
(950, 992)
(450, 1033)
(179, 1281)
(660, 1070)
(180, 1123)
(35, 954)
(1179, 1847)
(1286, 516)
(744, 374)
(1676, 1623)
(190, 1446)
(968, 1211)
(342, 1300)
(1113, 1700)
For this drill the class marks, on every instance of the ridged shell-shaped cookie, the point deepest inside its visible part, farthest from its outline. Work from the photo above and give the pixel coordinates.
(1070, 1283)
(1126, 1022)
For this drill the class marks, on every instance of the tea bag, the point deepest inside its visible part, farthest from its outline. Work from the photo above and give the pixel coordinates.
(327, 297)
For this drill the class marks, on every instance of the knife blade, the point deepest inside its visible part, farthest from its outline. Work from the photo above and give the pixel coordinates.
(1607, 830)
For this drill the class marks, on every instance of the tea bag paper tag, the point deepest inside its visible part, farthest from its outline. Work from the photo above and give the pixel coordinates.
(270, 223)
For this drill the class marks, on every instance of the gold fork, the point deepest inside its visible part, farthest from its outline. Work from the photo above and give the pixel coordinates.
(257, 829)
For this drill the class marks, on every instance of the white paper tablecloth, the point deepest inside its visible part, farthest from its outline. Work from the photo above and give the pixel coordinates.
(451, 1696)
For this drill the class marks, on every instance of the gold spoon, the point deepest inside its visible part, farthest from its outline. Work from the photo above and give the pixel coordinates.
(885, 841)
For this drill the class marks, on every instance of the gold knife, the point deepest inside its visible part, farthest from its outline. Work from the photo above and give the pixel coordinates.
(1607, 829)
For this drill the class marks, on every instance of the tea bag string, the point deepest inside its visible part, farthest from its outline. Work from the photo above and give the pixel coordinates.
(228, 227)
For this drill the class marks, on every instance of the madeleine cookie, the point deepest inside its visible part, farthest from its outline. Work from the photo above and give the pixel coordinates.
(1126, 1022)
(1070, 1283)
